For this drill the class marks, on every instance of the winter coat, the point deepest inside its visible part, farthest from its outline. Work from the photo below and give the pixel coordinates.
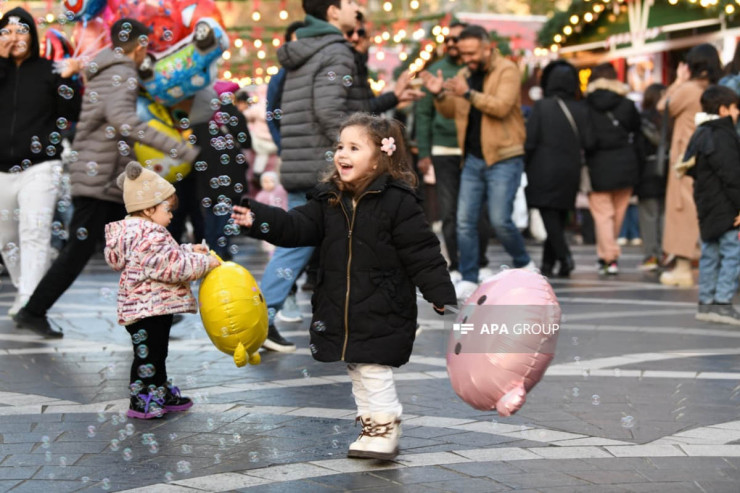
(553, 149)
(155, 270)
(613, 157)
(502, 124)
(681, 231)
(32, 99)
(109, 126)
(716, 174)
(318, 94)
(433, 129)
(375, 104)
(371, 257)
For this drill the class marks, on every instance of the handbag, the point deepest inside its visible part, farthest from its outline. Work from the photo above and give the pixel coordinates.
(585, 182)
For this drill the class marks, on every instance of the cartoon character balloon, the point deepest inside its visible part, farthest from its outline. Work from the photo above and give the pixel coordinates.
(84, 9)
(187, 67)
(157, 117)
(503, 340)
(55, 46)
(234, 312)
(191, 11)
(161, 16)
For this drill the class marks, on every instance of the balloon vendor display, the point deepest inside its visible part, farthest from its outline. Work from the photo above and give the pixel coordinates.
(55, 46)
(186, 67)
(503, 341)
(234, 312)
(158, 117)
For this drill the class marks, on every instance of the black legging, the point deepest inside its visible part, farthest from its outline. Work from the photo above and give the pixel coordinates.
(556, 248)
(150, 337)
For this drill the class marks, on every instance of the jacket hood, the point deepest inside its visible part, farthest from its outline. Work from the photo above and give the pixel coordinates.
(106, 58)
(606, 94)
(315, 27)
(120, 237)
(560, 79)
(20, 15)
(296, 53)
(702, 117)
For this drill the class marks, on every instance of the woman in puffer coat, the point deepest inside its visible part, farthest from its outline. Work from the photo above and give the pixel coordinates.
(554, 144)
(613, 160)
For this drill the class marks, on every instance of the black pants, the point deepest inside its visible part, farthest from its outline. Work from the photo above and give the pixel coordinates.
(150, 337)
(556, 247)
(189, 206)
(447, 174)
(87, 228)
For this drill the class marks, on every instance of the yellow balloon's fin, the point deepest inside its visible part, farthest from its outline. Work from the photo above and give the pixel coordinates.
(240, 355)
(255, 359)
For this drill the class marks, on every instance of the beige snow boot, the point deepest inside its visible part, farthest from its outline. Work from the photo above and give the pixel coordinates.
(383, 438)
(680, 276)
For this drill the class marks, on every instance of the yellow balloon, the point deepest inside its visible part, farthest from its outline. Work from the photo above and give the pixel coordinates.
(234, 312)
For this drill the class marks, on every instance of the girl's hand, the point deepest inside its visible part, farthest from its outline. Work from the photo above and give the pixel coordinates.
(213, 262)
(440, 311)
(242, 216)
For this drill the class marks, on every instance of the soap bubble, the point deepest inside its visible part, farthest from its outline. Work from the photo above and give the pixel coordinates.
(65, 92)
(142, 351)
(347, 81)
(201, 166)
(55, 138)
(628, 422)
(265, 228)
(329, 156)
(214, 182)
(224, 180)
(331, 76)
(278, 113)
(183, 466)
(82, 234)
(206, 202)
(36, 148)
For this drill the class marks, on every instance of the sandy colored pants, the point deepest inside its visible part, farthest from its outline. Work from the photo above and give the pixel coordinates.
(608, 209)
(27, 206)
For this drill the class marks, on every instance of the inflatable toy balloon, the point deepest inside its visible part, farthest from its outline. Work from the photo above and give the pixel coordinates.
(191, 11)
(503, 340)
(187, 67)
(234, 312)
(55, 46)
(161, 16)
(90, 37)
(156, 116)
(83, 9)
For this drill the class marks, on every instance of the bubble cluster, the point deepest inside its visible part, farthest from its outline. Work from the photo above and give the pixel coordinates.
(65, 92)
(140, 336)
(146, 371)
(318, 326)
(200, 166)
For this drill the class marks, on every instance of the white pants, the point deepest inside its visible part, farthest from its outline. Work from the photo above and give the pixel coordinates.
(374, 389)
(27, 202)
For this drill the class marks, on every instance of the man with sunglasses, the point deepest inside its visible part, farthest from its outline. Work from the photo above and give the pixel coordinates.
(436, 137)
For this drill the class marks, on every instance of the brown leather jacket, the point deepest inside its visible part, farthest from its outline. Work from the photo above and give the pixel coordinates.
(502, 125)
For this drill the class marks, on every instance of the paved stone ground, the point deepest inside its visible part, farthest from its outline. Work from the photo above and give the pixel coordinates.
(640, 398)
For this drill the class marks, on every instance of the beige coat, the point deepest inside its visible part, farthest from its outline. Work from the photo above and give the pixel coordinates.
(502, 125)
(681, 232)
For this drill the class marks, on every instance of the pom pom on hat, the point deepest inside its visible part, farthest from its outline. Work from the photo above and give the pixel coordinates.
(143, 188)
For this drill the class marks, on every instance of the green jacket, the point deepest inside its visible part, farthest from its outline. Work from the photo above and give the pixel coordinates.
(431, 127)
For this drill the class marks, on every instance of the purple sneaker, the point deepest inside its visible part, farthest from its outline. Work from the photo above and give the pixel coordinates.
(174, 401)
(146, 406)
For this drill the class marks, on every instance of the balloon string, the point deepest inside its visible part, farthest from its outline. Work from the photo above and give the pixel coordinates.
(100, 36)
(451, 308)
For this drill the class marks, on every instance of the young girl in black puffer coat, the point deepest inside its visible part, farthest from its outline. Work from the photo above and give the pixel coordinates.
(375, 248)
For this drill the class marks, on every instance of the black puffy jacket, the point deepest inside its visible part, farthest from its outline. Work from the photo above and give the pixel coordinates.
(32, 98)
(716, 146)
(372, 256)
(614, 160)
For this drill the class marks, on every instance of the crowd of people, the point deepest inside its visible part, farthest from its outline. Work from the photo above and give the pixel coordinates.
(342, 202)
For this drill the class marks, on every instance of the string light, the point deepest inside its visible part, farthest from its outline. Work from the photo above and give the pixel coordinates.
(256, 16)
(283, 15)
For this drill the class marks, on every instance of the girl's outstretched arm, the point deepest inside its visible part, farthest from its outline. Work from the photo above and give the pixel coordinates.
(300, 226)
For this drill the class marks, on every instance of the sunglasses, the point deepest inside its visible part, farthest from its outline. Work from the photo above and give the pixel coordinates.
(454, 39)
(361, 33)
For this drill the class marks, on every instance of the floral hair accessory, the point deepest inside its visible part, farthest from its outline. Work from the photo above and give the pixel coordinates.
(389, 145)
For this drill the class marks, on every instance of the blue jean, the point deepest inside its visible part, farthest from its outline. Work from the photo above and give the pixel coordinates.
(630, 224)
(498, 185)
(719, 267)
(284, 267)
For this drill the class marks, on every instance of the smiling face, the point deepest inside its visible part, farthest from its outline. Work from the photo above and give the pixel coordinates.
(356, 155)
(474, 53)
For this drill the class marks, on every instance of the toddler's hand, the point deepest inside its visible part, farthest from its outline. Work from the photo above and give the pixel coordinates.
(213, 262)
(201, 248)
(242, 216)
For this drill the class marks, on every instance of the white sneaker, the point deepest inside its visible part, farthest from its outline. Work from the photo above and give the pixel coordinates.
(290, 311)
(455, 276)
(463, 289)
(485, 273)
(532, 267)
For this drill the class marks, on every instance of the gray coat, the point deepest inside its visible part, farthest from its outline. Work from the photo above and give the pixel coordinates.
(102, 152)
(319, 93)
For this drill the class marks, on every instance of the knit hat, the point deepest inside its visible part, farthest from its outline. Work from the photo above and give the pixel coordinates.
(143, 188)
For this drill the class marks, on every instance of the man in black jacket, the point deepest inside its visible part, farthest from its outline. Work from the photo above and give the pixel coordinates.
(37, 106)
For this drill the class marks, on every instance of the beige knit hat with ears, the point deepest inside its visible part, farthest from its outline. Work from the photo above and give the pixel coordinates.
(143, 188)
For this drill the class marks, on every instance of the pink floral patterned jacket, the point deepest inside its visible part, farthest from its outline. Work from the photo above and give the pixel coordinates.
(155, 270)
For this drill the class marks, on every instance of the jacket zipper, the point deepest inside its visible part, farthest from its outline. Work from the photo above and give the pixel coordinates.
(351, 224)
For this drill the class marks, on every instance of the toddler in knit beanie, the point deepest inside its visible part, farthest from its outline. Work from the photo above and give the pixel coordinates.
(143, 188)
